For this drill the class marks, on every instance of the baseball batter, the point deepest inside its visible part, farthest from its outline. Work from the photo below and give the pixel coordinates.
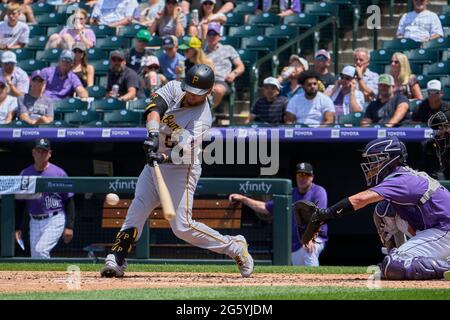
(421, 206)
(178, 113)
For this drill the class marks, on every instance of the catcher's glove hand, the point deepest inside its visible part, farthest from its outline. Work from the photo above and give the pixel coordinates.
(315, 217)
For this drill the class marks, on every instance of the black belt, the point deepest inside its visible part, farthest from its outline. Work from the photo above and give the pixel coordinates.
(45, 216)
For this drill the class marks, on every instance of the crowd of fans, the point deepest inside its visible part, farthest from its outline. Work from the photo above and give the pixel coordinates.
(302, 94)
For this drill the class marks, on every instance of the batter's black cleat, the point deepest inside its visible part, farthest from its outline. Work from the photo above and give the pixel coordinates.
(112, 269)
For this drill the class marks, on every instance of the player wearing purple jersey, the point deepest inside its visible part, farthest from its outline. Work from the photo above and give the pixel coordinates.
(420, 204)
(302, 255)
(51, 215)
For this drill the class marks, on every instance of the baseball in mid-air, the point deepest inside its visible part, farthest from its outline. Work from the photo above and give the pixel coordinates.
(112, 199)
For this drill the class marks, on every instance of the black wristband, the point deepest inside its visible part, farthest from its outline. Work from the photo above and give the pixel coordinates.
(340, 209)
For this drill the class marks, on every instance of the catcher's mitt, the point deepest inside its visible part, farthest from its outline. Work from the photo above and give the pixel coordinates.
(308, 212)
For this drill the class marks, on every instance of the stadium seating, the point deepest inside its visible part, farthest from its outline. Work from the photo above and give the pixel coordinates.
(55, 124)
(401, 44)
(445, 20)
(97, 54)
(235, 42)
(81, 117)
(123, 118)
(281, 32)
(51, 19)
(97, 92)
(70, 105)
(301, 20)
(234, 19)
(101, 67)
(32, 65)
(42, 8)
(54, 29)
(131, 30)
(37, 43)
(36, 30)
(245, 7)
(24, 54)
(440, 44)
(350, 120)
(265, 19)
(259, 43)
(423, 80)
(245, 31)
(322, 9)
(413, 104)
(103, 31)
(112, 43)
(138, 105)
(438, 69)
(51, 55)
(107, 105)
(422, 56)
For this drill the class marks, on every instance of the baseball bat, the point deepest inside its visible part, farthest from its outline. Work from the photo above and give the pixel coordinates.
(164, 195)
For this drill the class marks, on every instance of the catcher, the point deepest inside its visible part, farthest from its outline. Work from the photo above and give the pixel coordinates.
(417, 203)
(302, 255)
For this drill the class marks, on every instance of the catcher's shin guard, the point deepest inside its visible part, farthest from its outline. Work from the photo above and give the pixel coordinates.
(123, 244)
(418, 268)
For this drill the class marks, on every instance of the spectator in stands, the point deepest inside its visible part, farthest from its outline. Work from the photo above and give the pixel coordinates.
(310, 107)
(207, 17)
(290, 74)
(346, 98)
(34, 107)
(287, 7)
(306, 190)
(126, 78)
(16, 78)
(170, 58)
(14, 34)
(81, 68)
(147, 12)
(60, 81)
(367, 81)
(420, 25)
(114, 13)
(133, 56)
(172, 21)
(74, 31)
(8, 104)
(221, 6)
(271, 107)
(405, 81)
(224, 58)
(432, 104)
(26, 12)
(151, 78)
(322, 63)
(194, 53)
(390, 108)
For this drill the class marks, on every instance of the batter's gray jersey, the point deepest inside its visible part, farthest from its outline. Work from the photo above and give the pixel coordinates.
(180, 125)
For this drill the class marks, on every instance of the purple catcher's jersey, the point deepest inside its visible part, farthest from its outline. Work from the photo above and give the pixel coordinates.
(417, 198)
(48, 202)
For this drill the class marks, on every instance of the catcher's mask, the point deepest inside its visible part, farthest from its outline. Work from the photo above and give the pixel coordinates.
(381, 157)
(440, 124)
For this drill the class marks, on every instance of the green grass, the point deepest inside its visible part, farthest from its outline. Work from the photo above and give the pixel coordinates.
(240, 293)
(181, 268)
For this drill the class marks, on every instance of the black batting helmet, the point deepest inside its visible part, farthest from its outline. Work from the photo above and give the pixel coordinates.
(199, 79)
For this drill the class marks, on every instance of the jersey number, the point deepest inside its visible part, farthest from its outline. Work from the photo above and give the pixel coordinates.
(169, 143)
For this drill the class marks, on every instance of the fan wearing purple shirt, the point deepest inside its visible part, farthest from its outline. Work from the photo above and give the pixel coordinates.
(302, 255)
(60, 81)
(52, 214)
(419, 203)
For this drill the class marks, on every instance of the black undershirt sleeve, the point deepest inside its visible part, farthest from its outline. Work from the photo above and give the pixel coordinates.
(157, 104)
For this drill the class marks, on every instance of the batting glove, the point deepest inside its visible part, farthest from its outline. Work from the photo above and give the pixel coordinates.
(157, 157)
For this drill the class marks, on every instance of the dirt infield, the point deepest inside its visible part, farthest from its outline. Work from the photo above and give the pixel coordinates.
(27, 281)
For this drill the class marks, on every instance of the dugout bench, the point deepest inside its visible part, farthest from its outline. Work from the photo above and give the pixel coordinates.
(219, 215)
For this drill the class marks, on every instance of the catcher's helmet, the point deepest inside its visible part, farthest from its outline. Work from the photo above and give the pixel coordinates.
(199, 79)
(381, 157)
(440, 123)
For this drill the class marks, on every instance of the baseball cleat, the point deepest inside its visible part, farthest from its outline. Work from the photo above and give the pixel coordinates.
(244, 260)
(112, 269)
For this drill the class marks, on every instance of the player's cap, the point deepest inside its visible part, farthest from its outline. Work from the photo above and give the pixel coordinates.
(386, 79)
(149, 61)
(434, 85)
(213, 1)
(117, 54)
(304, 167)
(349, 71)
(9, 57)
(214, 29)
(322, 55)
(191, 42)
(169, 42)
(302, 61)
(272, 82)
(143, 35)
(37, 74)
(42, 144)
(67, 55)
(80, 46)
